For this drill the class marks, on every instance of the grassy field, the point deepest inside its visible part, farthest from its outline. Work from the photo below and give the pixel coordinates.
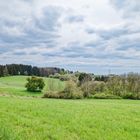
(29, 118)
(15, 85)
(23, 117)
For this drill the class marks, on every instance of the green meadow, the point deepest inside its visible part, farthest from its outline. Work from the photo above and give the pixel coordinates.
(55, 119)
(15, 85)
(23, 117)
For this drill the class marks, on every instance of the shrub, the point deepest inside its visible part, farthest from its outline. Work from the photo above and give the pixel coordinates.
(51, 94)
(101, 78)
(92, 87)
(124, 84)
(133, 84)
(63, 95)
(56, 76)
(132, 96)
(76, 94)
(105, 96)
(71, 91)
(35, 84)
(116, 86)
(65, 77)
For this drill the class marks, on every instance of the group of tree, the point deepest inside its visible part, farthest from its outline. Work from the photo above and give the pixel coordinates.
(112, 86)
(78, 85)
(20, 69)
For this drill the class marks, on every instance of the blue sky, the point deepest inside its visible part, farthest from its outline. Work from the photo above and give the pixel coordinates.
(86, 35)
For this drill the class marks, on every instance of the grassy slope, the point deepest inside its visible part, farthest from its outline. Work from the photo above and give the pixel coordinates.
(42, 119)
(15, 85)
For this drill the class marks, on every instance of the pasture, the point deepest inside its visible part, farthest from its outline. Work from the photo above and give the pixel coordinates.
(15, 85)
(24, 117)
(54, 119)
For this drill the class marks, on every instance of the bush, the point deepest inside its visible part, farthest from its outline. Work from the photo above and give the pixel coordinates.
(73, 95)
(51, 94)
(133, 83)
(124, 84)
(101, 78)
(132, 96)
(35, 84)
(65, 77)
(115, 86)
(71, 91)
(56, 76)
(92, 87)
(105, 96)
(63, 95)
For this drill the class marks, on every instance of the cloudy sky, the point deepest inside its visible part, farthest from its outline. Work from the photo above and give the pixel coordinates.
(85, 35)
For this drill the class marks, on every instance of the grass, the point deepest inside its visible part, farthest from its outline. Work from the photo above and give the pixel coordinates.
(15, 85)
(23, 117)
(53, 119)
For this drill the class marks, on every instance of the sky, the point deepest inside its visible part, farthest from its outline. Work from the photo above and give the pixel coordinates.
(98, 36)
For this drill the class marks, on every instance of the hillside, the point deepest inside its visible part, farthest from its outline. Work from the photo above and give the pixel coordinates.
(15, 85)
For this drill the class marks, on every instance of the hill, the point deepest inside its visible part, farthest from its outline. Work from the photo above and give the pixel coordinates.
(15, 85)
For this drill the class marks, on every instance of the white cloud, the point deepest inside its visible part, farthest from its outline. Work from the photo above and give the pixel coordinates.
(71, 33)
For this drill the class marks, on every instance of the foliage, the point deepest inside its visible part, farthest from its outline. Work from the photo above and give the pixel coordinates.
(84, 80)
(54, 85)
(71, 91)
(133, 84)
(35, 84)
(64, 77)
(116, 86)
(84, 77)
(133, 96)
(105, 96)
(5, 71)
(124, 85)
(20, 69)
(56, 76)
(92, 87)
(52, 94)
(101, 78)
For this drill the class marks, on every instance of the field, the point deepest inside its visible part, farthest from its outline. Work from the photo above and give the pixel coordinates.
(15, 85)
(29, 118)
(42, 119)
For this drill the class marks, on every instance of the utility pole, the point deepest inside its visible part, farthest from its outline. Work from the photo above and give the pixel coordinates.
(109, 71)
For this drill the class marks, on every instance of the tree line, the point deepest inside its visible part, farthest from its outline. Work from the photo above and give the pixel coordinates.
(20, 69)
(85, 85)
